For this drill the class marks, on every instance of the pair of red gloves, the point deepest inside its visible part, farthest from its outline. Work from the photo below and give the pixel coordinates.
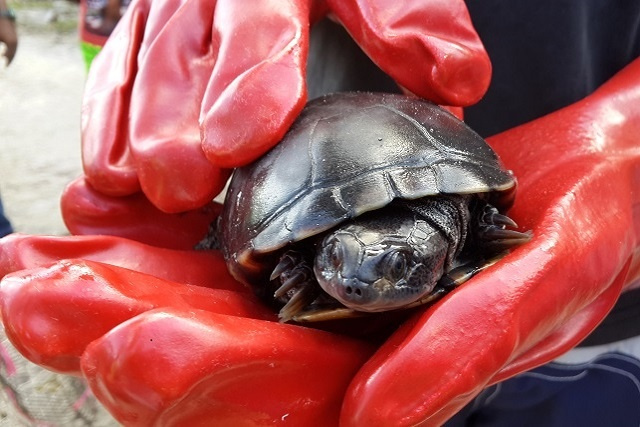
(185, 90)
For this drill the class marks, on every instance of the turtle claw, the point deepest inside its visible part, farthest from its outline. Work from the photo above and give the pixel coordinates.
(494, 231)
(300, 299)
(509, 237)
(496, 218)
(293, 271)
(297, 288)
(325, 314)
(287, 262)
(503, 240)
(297, 278)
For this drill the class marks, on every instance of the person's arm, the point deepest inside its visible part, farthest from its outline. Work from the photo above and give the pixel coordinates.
(8, 33)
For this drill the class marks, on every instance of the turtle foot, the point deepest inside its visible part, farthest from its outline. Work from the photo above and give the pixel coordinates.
(494, 231)
(301, 298)
(297, 288)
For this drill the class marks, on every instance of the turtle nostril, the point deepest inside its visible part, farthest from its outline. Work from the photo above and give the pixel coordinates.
(353, 291)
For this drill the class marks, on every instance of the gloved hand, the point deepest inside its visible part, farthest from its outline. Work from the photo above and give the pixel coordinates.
(177, 360)
(198, 347)
(185, 89)
(578, 171)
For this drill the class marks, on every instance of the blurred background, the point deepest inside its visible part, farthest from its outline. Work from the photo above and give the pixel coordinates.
(40, 98)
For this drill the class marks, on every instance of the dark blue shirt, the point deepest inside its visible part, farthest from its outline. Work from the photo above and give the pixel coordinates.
(547, 54)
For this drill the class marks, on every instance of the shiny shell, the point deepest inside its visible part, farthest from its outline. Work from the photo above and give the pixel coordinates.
(346, 154)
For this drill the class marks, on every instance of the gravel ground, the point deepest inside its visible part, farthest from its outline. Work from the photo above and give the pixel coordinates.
(40, 96)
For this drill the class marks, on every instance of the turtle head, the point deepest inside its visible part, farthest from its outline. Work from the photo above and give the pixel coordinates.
(378, 265)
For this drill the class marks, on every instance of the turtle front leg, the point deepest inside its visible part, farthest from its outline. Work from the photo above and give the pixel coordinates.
(298, 286)
(455, 278)
(491, 238)
(492, 232)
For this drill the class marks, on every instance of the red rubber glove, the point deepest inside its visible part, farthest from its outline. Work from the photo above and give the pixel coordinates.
(185, 89)
(87, 211)
(170, 367)
(57, 311)
(156, 351)
(202, 268)
(531, 306)
(578, 170)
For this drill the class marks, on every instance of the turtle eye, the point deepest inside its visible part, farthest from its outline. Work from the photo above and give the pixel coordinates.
(335, 254)
(395, 265)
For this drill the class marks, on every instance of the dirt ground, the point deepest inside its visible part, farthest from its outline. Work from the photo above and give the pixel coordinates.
(40, 100)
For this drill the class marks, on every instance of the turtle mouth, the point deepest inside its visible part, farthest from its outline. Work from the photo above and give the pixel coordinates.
(352, 293)
(367, 297)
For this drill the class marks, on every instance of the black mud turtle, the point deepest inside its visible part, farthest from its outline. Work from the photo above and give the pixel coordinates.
(371, 202)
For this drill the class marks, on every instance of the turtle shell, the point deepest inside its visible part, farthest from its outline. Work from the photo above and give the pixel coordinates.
(346, 154)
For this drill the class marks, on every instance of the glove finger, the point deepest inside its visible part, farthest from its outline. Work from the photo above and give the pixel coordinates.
(202, 268)
(258, 86)
(87, 211)
(106, 157)
(176, 62)
(428, 47)
(188, 368)
(52, 314)
(567, 335)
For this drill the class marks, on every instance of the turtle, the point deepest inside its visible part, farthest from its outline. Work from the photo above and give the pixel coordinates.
(371, 202)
